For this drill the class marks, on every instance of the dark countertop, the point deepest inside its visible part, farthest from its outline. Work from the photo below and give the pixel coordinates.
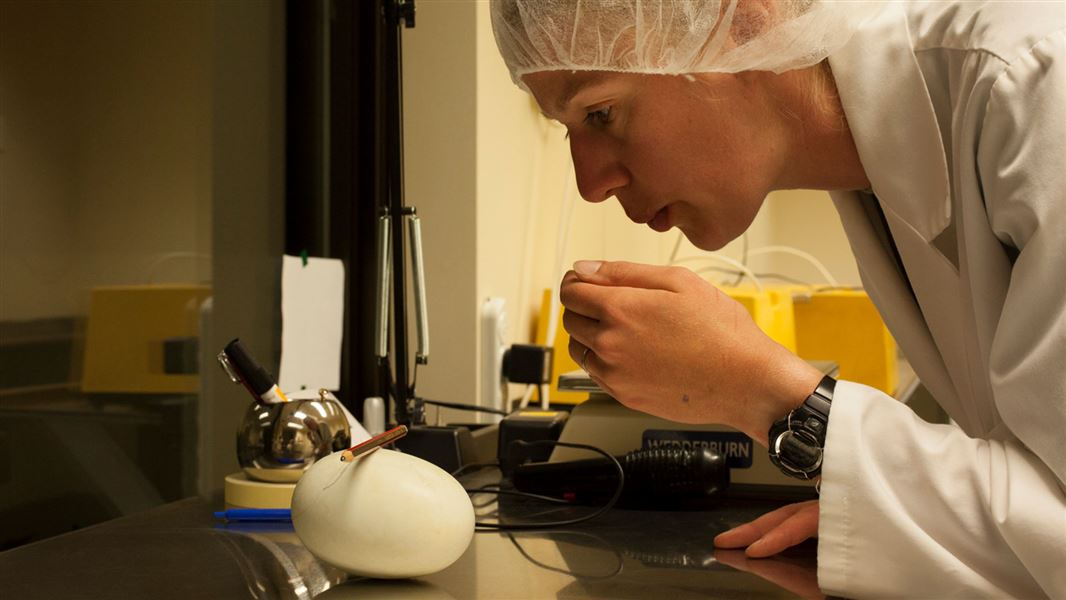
(179, 551)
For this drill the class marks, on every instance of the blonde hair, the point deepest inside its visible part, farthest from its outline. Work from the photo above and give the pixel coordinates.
(821, 91)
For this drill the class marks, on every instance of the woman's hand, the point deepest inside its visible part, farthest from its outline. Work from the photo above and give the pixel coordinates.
(664, 341)
(773, 532)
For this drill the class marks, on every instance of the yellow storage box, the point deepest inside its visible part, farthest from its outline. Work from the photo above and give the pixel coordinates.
(844, 326)
(127, 327)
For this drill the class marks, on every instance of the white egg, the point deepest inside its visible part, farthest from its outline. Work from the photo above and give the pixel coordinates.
(387, 514)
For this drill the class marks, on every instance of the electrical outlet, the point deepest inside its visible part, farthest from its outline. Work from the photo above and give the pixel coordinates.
(493, 346)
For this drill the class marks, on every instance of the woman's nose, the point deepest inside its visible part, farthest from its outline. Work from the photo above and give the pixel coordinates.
(598, 170)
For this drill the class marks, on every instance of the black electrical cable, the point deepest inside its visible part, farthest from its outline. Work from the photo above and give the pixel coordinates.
(472, 466)
(479, 505)
(617, 555)
(483, 526)
(458, 406)
(494, 490)
(391, 390)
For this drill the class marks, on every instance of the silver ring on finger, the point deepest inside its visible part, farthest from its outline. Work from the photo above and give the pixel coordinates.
(584, 357)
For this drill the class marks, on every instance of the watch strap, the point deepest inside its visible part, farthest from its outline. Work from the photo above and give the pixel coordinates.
(797, 441)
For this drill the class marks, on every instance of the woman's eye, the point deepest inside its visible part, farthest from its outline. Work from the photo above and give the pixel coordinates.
(599, 117)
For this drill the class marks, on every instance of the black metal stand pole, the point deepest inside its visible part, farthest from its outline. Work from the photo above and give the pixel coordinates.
(397, 13)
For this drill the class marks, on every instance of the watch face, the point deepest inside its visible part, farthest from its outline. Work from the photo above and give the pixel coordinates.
(797, 454)
(796, 441)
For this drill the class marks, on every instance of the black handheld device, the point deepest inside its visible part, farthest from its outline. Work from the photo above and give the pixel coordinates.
(654, 478)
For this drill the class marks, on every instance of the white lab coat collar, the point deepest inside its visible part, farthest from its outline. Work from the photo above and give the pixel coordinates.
(886, 102)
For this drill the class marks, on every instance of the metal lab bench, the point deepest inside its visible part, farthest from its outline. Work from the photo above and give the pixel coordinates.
(179, 551)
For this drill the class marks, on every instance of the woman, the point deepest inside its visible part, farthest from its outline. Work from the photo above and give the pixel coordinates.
(939, 129)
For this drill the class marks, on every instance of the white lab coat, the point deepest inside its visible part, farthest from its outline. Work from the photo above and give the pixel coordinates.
(958, 110)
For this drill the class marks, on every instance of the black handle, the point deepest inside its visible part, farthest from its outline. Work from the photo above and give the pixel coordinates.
(255, 376)
(653, 477)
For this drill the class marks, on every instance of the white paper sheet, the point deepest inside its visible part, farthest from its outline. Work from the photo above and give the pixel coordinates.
(312, 323)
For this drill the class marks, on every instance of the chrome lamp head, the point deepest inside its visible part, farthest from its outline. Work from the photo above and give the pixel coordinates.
(278, 442)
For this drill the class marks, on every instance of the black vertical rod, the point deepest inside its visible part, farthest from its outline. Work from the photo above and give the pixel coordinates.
(395, 11)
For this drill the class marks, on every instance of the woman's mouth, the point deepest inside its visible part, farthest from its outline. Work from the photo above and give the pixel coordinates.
(661, 221)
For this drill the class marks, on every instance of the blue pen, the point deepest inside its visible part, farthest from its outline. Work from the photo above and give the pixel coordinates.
(255, 514)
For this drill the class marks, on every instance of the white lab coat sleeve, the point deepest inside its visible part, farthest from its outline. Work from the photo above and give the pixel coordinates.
(913, 509)
(910, 508)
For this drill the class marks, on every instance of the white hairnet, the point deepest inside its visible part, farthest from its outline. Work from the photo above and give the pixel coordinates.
(671, 36)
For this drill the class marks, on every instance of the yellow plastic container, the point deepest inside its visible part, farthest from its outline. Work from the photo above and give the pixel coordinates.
(124, 340)
(844, 326)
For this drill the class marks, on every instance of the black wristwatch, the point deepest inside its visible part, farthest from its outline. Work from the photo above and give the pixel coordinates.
(796, 441)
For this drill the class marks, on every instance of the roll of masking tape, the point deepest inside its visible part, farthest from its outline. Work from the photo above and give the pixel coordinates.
(242, 492)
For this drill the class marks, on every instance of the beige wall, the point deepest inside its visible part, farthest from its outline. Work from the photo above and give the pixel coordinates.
(101, 180)
(37, 180)
(807, 220)
(489, 175)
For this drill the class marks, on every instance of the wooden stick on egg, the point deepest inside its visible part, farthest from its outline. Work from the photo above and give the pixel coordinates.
(374, 443)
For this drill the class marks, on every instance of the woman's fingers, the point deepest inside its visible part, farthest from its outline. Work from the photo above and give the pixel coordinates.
(577, 352)
(635, 275)
(587, 299)
(590, 293)
(749, 533)
(581, 328)
(799, 527)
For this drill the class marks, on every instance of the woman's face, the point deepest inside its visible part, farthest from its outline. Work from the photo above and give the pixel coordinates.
(698, 155)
